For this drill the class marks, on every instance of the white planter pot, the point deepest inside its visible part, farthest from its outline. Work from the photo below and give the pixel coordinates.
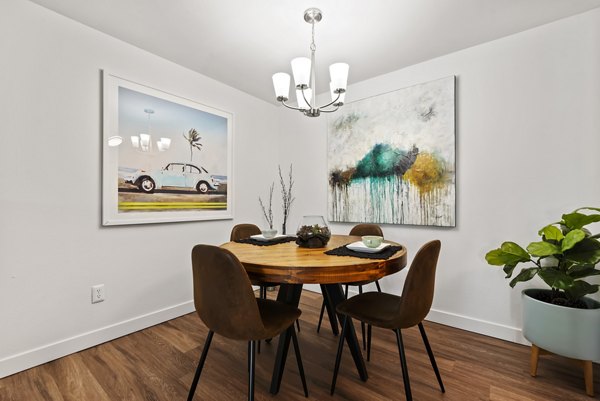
(570, 332)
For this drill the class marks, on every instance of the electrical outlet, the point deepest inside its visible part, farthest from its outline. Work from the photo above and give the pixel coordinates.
(97, 293)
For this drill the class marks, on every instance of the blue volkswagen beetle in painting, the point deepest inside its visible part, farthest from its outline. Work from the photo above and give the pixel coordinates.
(180, 175)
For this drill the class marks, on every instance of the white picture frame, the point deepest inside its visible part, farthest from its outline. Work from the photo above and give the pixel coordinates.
(154, 167)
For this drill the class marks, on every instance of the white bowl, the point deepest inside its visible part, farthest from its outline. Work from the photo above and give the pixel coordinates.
(372, 241)
(270, 233)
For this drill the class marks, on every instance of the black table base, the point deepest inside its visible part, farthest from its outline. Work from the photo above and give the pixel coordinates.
(290, 294)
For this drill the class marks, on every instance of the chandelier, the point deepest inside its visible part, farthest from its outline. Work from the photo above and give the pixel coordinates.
(143, 142)
(303, 69)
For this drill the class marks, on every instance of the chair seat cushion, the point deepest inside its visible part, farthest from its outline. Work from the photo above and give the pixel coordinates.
(375, 308)
(276, 317)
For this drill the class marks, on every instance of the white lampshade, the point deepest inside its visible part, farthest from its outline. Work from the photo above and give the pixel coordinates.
(339, 75)
(165, 143)
(301, 70)
(281, 83)
(135, 141)
(301, 102)
(115, 140)
(144, 141)
(334, 95)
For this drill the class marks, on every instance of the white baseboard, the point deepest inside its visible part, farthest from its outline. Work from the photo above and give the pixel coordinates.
(491, 329)
(46, 353)
(503, 332)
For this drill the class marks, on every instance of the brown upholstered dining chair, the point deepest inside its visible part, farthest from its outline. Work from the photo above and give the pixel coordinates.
(246, 230)
(358, 230)
(393, 312)
(225, 302)
(242, 231)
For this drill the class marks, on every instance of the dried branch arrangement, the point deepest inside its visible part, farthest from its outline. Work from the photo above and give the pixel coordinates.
(286, 196)
(268, 213)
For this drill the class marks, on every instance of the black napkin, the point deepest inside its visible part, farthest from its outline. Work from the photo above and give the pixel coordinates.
(386, 253)
(273, 241)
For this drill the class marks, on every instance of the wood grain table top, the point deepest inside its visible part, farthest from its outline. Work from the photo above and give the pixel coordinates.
(288, 263)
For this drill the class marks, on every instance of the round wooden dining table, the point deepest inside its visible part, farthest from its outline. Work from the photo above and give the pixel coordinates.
(291, 266)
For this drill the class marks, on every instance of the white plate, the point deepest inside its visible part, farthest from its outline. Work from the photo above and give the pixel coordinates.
(360, 247)
(260, 237)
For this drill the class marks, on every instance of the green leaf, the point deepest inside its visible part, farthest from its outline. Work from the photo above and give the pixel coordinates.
(556, 278)
(542, 248)
(551, 232)
(508, 269)
(508, 254)
(581, 271)
(578, 220)
(585, 252)
(581, 288)
(495, 257)
(571, 239)
(524, 275)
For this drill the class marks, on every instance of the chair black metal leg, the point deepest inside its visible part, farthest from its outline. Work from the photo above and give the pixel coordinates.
(369, 342)
(299, 360)
(431, 357)
(403, 365)
(251, 363)
(362, 324)
(335, 296)
(200, 365)
(346, 292)
(298, 324)
(377, 285)
(338, 357)
(321, 315)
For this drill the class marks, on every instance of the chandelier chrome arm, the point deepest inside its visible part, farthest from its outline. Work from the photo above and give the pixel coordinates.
(334, 101)
(314, 112)
(282, 101)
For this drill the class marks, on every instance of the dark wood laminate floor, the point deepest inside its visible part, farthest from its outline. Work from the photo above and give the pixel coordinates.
(158, 364)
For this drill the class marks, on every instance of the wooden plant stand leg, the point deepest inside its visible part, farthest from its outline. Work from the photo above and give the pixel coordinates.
(535, 356)
(588, 374)
(588, 368)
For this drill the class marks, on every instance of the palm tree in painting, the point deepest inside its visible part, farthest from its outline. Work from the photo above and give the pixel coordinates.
(194, 140)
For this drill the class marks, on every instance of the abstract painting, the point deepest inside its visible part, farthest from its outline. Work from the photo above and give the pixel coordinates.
(391, 157)
(166, 158)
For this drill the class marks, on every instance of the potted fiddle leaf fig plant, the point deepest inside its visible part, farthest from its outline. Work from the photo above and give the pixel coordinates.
(566, 255)
(561, 319)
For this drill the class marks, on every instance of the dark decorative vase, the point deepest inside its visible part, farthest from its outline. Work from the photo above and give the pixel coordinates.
(313, 232)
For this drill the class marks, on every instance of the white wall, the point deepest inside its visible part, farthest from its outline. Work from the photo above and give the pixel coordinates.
(52, 245)
(527, 141)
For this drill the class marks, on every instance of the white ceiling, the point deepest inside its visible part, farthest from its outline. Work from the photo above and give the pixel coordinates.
(242, 43)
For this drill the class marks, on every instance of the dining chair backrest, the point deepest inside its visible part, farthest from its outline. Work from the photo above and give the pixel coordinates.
(223, 296)
(417, 294)
(241, 231)
(366, 229)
